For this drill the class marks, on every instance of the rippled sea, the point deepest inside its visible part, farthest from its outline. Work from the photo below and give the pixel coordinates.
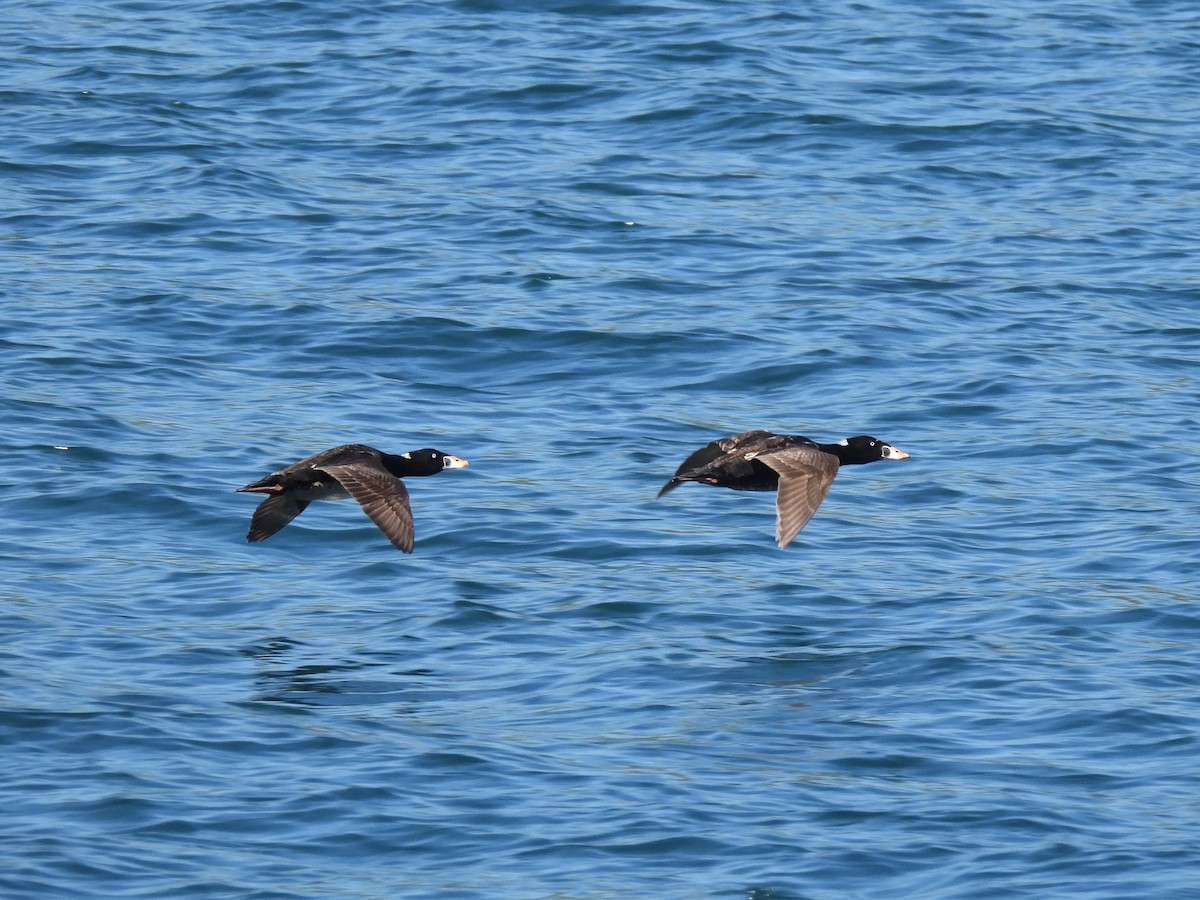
(572, 241)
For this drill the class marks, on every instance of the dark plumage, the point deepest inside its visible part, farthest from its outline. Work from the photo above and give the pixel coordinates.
(799, 469)
(370, 476)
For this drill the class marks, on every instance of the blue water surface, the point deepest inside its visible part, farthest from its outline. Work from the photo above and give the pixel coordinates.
(572, 242)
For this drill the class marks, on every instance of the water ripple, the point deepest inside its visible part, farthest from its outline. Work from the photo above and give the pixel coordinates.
(572, 242)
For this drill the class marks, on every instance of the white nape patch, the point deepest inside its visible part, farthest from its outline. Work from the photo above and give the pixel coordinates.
(406, 455)
(844, 442)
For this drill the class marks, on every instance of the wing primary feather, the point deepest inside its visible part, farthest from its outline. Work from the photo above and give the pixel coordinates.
(272, 514)
(382, 497)
(805, 476)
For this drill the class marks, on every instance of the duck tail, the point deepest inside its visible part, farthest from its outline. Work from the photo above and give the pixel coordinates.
(670, 486)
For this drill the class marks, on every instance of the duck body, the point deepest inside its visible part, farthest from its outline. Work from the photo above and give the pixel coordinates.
(370, 476)
(799, 469)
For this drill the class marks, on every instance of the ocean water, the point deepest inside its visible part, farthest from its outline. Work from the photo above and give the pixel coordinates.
(572, 242)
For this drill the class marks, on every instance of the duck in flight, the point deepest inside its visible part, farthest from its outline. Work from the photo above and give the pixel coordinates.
(370, 476)
(799, 469)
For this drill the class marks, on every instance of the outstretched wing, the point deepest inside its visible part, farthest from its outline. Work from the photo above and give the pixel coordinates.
(272, 514)
(383, 498)
(805, 474)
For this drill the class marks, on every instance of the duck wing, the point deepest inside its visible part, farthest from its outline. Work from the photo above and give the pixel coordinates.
(805, 474)
(710, 453)
(382, 496)
(272, 514)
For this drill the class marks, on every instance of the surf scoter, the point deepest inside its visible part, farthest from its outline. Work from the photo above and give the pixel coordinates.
(368, 475)
(800, 470)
